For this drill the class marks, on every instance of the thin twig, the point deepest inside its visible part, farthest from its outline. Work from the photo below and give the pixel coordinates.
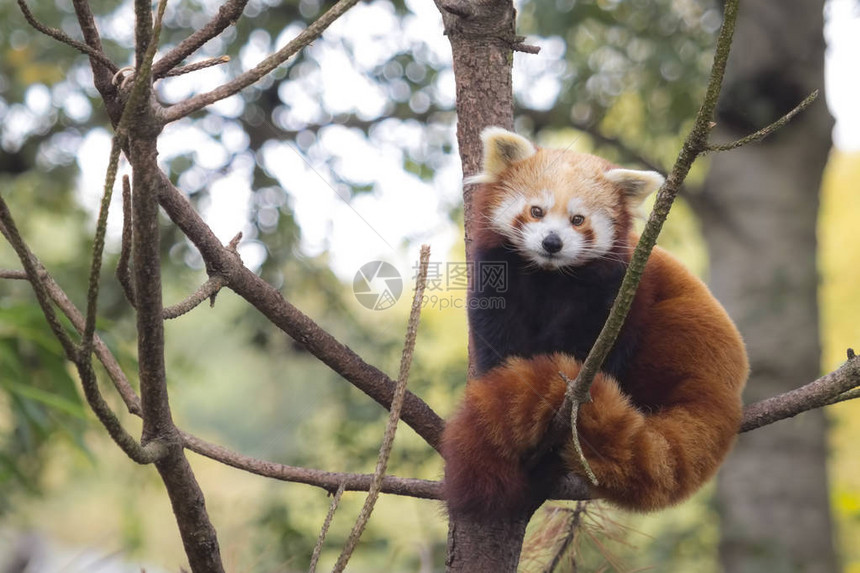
(13, 275)
(765, 131)
(208, 290)
(852, 394)
(579, 395)
(201, 65)
(570, 535)
(394, 414)
(253, 75)
(10, 231)
(329, 481)
(315, 557)
(123, 265)
(98, 249)
(61, 36)
(227, 15)
(114, 371)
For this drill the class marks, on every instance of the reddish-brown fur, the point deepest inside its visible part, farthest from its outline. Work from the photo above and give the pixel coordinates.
(650, 446)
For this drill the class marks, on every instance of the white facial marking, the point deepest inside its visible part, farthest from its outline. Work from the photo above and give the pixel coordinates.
(604, 234)
(576, 207)
(503, 216)
(548, 200)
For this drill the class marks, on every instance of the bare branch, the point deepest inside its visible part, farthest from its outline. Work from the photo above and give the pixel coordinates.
(102, 74)
(315, 557)
(114, 371)
(571, 530)
(765, 131)
(227, 15)
(579, 395)
(839, 385)
(329, 481)
(208, 290)
(292, 321)
(253, 75)
(201, 65)
(852, 394)
(695, 143)
(87, 22)
(98, 250)
(10, 230)
(60, 36)
(123, 265)
(394, 414)
(13, 275)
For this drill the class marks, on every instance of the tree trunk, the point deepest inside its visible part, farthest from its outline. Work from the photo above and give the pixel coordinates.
(759, 209)
(476, 546)
(482, 37)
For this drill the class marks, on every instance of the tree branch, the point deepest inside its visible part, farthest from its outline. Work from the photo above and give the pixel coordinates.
(315, 557)
(123, 265)
(60, 36)
(102, 74)
(329, 481)
(227, 15)
(208, 290)
(13, 274)
(199, 537)
(765, 131)
(98, 250)
(269, 301)
(201, 65)
(253, 75)
(10, 230)
(394, 414)
(839, 385)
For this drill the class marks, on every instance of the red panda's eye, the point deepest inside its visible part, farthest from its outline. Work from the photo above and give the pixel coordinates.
(537, 212)
(577, 220)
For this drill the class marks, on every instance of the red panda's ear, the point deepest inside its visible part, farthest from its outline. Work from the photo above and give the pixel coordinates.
(636, 185)
(501, 149)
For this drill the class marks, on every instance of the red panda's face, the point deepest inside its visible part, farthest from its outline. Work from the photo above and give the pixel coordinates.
(557, 208)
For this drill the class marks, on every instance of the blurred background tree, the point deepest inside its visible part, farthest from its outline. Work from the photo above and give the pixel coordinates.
(346, 155)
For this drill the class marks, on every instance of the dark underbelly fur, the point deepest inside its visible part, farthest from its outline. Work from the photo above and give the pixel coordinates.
(542, 311)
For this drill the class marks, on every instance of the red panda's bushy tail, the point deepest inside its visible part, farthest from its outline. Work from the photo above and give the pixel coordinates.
(642, 461)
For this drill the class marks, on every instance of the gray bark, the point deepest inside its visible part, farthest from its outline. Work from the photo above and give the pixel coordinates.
(759, 210)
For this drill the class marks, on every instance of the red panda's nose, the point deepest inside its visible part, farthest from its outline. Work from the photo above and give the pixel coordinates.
(552, 243)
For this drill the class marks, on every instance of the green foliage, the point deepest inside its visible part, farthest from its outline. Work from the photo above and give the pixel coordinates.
(39, 401)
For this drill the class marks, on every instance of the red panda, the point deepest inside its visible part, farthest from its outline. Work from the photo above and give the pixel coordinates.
(666, 405)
